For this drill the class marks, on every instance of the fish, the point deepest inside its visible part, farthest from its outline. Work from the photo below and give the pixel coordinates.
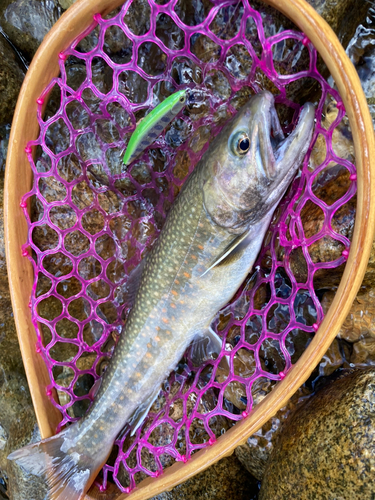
(208, 245)
(153, 124)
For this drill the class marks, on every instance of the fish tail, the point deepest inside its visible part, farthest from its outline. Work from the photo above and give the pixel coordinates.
(69, 474)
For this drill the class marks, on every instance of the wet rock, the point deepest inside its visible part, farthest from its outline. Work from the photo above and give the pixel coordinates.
(254, 454)
(26, 22)
(343, 16)
(360, 322)
(4, 139)
(361, 50)
(358, 328)
(225, 479)
(11, 78)
(65, 4)
(326, 448)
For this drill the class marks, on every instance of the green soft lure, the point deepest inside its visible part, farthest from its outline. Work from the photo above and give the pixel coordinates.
(153, 124)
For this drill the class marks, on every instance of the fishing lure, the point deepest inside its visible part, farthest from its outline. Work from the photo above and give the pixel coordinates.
(153, 124)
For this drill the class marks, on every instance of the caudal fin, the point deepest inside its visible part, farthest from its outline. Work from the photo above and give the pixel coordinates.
(68, 475)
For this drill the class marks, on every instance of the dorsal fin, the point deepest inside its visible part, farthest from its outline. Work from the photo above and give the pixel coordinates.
(230, 253)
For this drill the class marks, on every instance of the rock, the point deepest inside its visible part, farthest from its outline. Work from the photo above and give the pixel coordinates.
(343, 16)
(326, 449)
(4, 139)
(254, 454)
(65, 4)
(359, 324)
(225, 479)
(361, 51)
(11, 78)
(358, 328)
(26, 22)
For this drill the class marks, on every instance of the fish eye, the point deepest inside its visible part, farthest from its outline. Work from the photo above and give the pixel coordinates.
(240, 144)
(182, 98)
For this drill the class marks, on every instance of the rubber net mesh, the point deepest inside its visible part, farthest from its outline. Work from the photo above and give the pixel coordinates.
(92, 220)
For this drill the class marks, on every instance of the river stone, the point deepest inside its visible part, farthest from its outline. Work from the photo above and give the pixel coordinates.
(26, 22)
(11, 78)
(343, 16)
(359, 323)
(254, 454)
(327, 447)
(223, 480)
(361, 51)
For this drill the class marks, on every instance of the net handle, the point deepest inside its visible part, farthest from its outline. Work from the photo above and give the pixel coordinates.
(18, 179)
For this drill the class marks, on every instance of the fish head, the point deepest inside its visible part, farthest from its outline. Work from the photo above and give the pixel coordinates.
(250, 163)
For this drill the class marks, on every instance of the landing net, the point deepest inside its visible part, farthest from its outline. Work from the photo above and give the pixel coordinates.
(92, 221)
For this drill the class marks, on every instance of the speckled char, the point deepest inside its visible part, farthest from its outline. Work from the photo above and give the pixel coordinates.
(326, 450)
(92, 222)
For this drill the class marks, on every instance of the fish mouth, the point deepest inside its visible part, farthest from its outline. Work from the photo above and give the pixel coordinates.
(270, 133)
(278, 154)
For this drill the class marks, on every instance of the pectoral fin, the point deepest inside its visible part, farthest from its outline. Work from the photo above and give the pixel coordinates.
(205, 346)
(231, 252)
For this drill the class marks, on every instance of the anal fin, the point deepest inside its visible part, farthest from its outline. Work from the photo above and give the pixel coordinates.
(141, 412)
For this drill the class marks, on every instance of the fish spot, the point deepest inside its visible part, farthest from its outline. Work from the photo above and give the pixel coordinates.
(201, 247)
(157, 339)
(194, 257)
(149, 345)
(187, 275)
(139, 374)
(168, 332)
(173, 306)
(149, 355)
(174, 293)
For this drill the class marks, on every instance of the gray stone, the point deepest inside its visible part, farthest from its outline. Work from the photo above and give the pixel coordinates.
(26, 22)
(326, 449)
(254, 454)
(226, 479)
(11, 78)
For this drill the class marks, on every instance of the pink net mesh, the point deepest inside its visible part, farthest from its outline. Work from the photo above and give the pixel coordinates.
(91, 221)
